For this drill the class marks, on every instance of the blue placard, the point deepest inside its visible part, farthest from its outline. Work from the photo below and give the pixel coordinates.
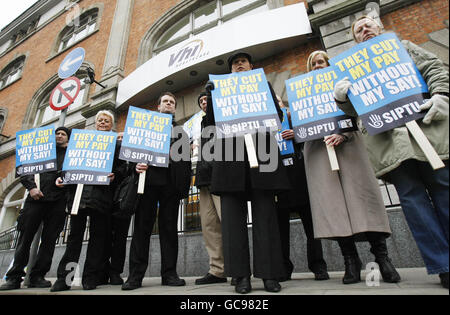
(243, 104)
(146, 137)
(387, 88)
(71, 63)
(286, 146)
(89, 158)
(193, 127)
(36, 151)
(314, 112)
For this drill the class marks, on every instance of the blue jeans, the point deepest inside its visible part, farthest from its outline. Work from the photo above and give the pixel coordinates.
(423, 195)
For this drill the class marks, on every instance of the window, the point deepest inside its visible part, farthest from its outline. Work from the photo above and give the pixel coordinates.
(86, 25)
(12, 72)
(3, 115)
(205, 17)
(46, 114)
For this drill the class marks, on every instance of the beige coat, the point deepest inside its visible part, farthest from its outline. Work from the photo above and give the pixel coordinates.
(346, 202)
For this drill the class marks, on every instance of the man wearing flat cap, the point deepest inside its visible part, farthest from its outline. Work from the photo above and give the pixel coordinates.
(47, 206)
(237, 183)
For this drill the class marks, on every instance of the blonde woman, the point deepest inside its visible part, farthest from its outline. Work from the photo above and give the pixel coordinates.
(346, 205)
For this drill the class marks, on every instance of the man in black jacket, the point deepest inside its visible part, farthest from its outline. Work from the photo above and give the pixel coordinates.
(45, 205)
(163, 186)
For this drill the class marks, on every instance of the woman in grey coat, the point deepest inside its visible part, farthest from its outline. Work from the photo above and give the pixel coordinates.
(346, 205)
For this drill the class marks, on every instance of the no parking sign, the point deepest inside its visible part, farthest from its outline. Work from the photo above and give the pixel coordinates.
(65, 93)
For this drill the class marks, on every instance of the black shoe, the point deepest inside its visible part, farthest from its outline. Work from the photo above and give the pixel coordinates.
(233, 281)
(243, 285)
(12, 284)
(321, 275)
(284, 278)
(387, 270)
(39, 282)
(173, 281)
(444, 279)
(89, 286)
(59, 285)
(271, 285)
(130, 285)
(115, 279)
(209, 279)
(104, 280)
(352, 270)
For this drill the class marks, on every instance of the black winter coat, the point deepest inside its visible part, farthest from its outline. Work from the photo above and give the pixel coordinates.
(297, 196)
(204, 168)
(47, 181)
(237, 176)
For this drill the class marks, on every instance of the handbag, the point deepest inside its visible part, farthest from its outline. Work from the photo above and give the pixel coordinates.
(126, 198)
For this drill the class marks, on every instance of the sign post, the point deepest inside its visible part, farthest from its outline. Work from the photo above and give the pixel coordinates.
(68, 67)
(71, 63)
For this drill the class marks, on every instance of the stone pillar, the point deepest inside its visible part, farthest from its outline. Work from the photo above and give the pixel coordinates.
(113, 67)
(333, 20)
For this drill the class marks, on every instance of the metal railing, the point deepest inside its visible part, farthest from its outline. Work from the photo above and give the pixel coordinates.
(8, 239)
(189, 217)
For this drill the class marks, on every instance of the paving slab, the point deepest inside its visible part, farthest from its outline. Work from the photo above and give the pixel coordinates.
(415, 281)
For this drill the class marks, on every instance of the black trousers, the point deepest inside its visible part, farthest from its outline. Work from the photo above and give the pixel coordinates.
(267, 255)
(99, 226)
(52, 215)
(117, 245)
(314, 249)
(144, 221)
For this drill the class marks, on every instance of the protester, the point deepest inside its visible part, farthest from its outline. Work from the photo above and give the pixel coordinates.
(236, 183)
(353, 208)
(96, 202)
(210, 213)
(116, 243)
(44, 205)
(297, 200)
(165, 186)
(396, 157)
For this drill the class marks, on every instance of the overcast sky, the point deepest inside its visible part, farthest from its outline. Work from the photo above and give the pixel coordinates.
(10, 9)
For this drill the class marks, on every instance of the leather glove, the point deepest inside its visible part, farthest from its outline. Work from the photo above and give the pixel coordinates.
(341, 89)
(438, 108)
(209, 86)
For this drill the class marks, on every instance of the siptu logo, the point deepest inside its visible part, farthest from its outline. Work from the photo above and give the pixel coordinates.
(302, 133)
(375, 121)
(189, 52)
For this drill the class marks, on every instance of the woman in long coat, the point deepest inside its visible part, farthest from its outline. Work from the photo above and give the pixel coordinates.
(346, 205)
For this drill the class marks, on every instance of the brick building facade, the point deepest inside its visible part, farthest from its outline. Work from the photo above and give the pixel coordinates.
(119, 36)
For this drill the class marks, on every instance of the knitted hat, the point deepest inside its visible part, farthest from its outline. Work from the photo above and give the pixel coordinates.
(65, 129)
(199, 97)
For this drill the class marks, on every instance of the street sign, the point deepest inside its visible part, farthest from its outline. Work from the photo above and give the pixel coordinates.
(65, 93)
(71, 63)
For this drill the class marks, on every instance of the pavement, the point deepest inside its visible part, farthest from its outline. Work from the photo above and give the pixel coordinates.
(415, 281)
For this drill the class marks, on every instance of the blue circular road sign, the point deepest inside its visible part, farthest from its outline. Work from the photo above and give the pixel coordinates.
(71, 63)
